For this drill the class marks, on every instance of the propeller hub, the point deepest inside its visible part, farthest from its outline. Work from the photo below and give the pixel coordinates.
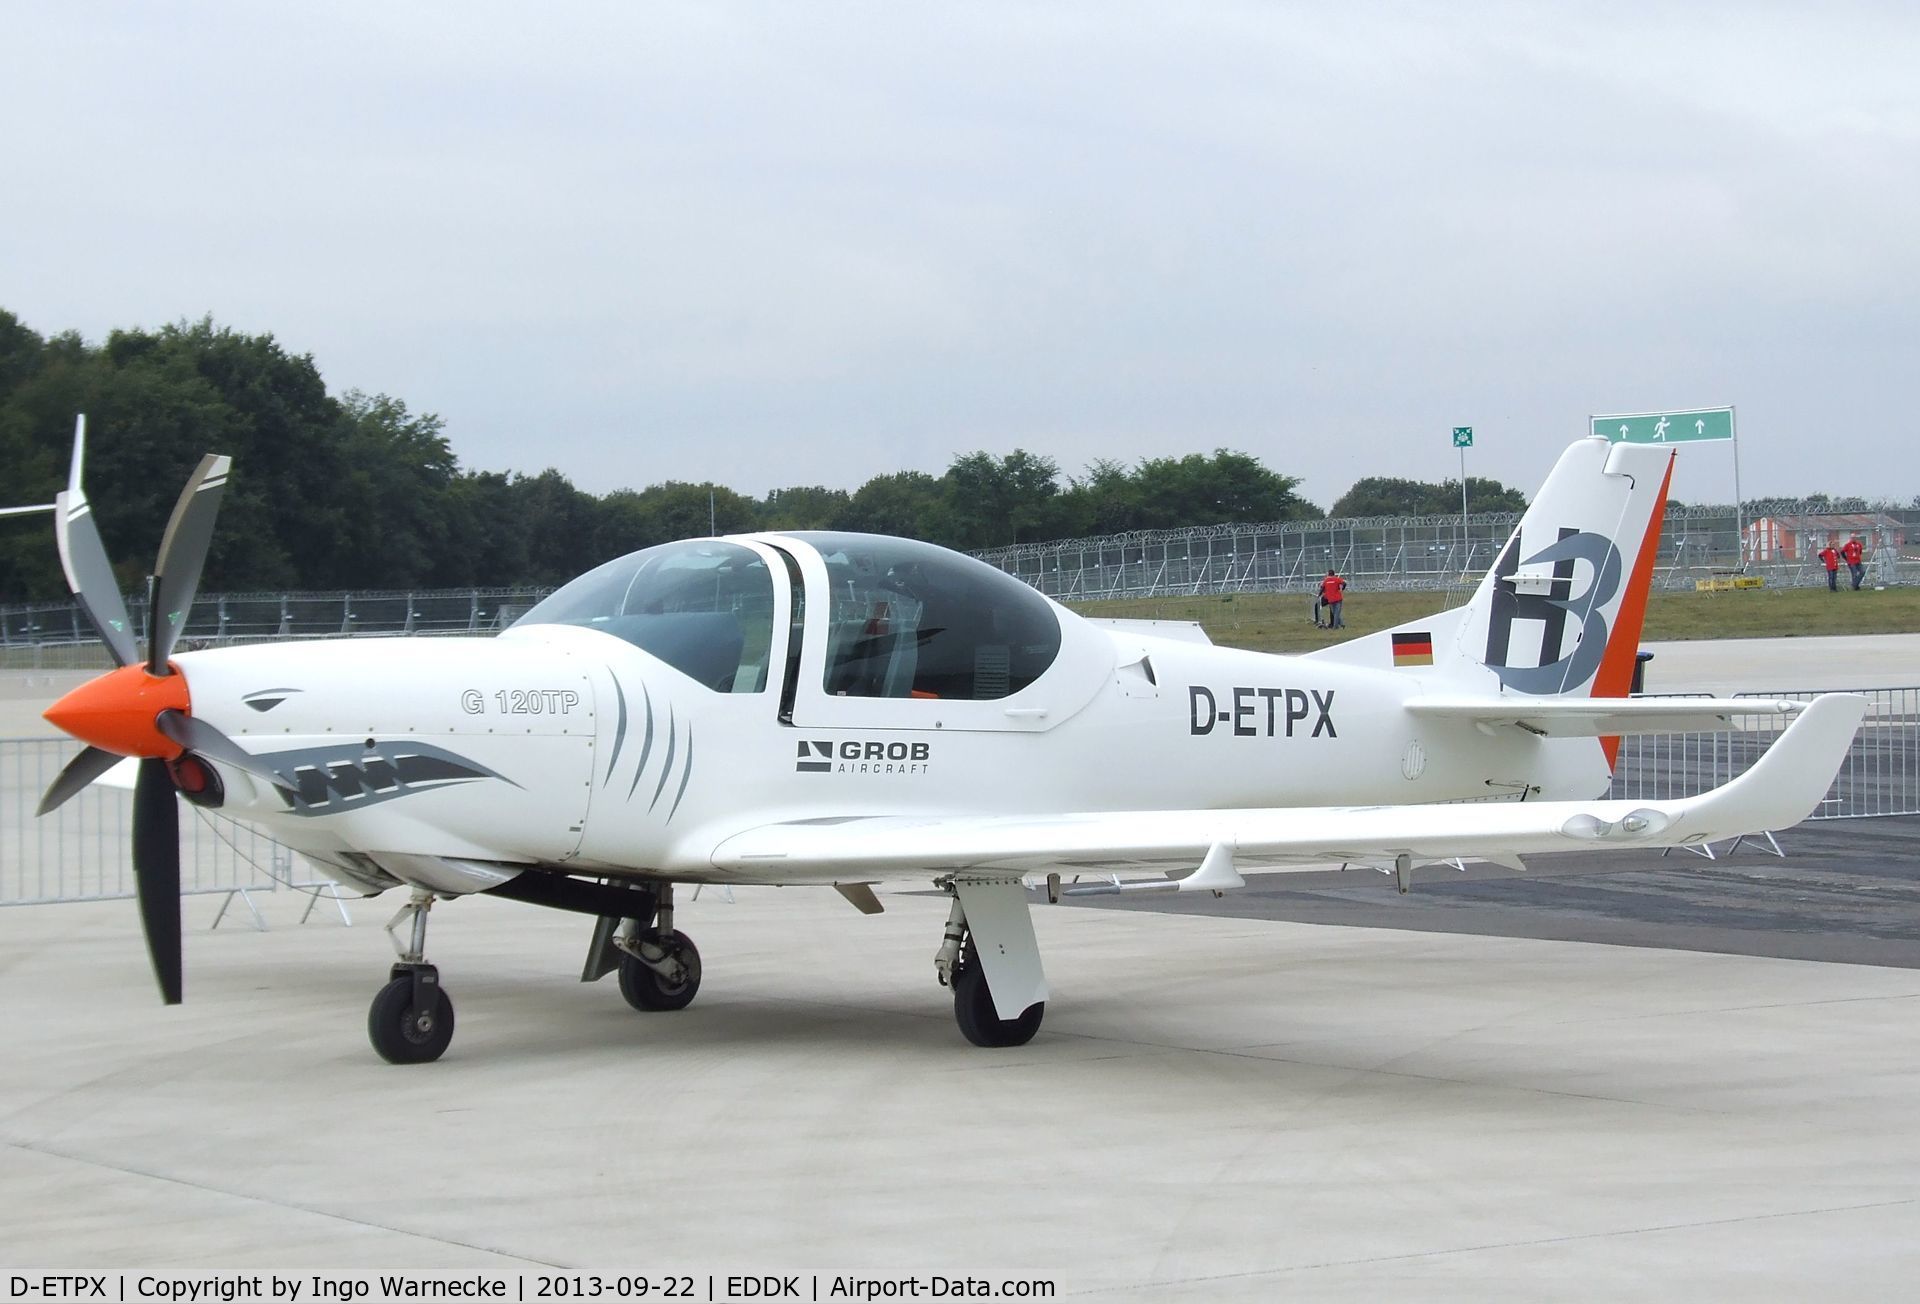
(118, 712)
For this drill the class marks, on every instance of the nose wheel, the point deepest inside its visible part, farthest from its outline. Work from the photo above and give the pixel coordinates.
(411, 1019)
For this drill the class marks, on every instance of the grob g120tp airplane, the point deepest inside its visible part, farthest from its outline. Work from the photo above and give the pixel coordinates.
(847, 710)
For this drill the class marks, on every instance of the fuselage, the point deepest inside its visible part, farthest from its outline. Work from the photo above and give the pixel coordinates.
(805, 683)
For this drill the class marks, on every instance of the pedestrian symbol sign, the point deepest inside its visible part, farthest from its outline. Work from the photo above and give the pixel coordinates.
(1686, 426)
(1463, 436)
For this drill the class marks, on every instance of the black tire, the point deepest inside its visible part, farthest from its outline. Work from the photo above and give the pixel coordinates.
(402, 1036)
(647, 990)
(973, 1009)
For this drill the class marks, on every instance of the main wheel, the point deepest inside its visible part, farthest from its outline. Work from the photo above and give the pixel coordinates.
(973, 1008)
(647, 990)
(404, 1035)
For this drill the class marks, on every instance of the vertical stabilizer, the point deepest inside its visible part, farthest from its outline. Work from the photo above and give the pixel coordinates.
(1561, 610)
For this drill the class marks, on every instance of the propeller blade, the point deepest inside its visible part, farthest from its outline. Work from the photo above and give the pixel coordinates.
(90, 764)
(183, 551)
(90, 575)
(197, 735)
(156, 872)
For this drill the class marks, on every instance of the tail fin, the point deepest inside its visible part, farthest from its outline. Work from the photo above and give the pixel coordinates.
(1561, 610)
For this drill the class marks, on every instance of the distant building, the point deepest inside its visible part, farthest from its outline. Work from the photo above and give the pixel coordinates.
(1800, 538)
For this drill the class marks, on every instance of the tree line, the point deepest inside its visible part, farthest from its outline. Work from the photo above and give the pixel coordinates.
(357, 491)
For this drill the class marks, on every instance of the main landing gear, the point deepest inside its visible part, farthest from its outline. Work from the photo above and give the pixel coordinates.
(998, 914)
(411, 1019)
(659, 966)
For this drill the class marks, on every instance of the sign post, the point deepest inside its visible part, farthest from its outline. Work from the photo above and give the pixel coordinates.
(1463, 440)
(1681, 426)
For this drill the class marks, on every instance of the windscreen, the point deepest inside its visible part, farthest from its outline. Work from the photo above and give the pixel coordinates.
(702, 606)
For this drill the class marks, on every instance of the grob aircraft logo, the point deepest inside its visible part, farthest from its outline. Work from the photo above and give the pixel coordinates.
(855, 756)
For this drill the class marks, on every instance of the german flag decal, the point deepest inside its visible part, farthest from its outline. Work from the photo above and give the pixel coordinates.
(1413, 649)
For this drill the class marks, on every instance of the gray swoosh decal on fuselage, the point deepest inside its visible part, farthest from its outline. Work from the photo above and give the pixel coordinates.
(646, 743)
(619, 729)
(318, 781)
(666, 766)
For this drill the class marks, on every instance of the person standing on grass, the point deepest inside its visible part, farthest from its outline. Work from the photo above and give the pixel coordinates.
(1332, 589)
(1830, 558)
(1855, 556)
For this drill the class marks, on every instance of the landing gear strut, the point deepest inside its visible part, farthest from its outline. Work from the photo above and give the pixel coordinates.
(411, 1019)
(659, 966)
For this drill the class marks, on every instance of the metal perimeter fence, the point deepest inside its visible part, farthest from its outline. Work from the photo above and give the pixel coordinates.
(1376, 552)
(79, 852)
(1433, 552)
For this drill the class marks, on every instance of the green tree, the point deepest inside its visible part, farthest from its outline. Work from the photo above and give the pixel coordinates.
(1391, 496)
(994, 503)
(802, 507)
(1201, 490)
(559, 526)
(399, 469)
(906, 503)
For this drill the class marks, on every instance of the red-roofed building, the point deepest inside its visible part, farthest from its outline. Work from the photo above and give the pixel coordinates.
(1800, 538)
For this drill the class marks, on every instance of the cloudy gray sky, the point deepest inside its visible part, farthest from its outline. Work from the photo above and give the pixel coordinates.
(789, 244)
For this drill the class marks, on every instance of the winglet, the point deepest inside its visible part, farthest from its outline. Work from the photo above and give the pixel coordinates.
(1789, 780)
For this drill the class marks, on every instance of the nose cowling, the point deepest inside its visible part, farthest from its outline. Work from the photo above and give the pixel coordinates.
(118, 712)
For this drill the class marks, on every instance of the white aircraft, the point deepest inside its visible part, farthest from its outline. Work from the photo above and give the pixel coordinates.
(848, 710)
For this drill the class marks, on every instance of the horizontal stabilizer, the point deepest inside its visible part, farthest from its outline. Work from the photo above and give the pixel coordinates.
(1599, 717)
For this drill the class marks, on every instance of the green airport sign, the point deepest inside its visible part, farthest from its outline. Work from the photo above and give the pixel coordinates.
(1686, 426)
(1463, 436)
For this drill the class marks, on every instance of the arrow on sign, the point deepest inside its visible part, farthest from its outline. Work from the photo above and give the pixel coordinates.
(1700, 427)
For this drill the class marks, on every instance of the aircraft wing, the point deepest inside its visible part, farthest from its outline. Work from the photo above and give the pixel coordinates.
(1779, 790)
(1596, 717)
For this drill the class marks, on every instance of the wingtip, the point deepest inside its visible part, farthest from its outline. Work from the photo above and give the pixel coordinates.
(1789, 781)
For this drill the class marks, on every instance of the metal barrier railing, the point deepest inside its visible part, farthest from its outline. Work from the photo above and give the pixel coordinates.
(80, 852)
(1880, 776)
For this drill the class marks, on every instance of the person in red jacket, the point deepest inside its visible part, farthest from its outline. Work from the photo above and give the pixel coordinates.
(1830, 558)
(1331, 590)
(1855, 555)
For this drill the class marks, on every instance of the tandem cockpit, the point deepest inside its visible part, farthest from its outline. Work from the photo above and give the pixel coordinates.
(853, 629)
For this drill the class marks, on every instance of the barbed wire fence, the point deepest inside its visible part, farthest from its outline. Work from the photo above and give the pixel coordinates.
(1437, 552)
(1377, 552)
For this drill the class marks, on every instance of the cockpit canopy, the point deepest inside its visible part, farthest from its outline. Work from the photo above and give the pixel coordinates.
(908, 619)
(898, 618)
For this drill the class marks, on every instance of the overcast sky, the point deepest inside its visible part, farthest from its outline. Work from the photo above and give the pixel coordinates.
(796, 244)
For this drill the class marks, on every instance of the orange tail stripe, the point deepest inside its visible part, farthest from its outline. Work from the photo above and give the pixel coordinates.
(1615, 675)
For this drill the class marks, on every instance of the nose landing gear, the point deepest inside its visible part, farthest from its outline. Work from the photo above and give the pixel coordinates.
(411, 1018)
